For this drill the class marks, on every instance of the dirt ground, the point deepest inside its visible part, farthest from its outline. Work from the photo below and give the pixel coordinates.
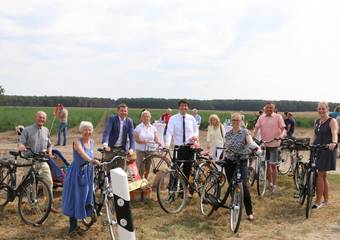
(276, 216)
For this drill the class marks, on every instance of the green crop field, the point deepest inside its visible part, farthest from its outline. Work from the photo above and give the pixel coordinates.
(12, 116)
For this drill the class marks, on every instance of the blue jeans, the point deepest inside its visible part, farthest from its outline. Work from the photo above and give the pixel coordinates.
(62, 129)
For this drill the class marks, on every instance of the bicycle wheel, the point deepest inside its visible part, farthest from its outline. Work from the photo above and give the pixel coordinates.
(210, 194)
(285, 161)
(298, 175)
(35, 202)
(201, 174)
(4, 195)
(261, 177)
(303, 187)
(4, 188)
(98, 196)
(310, 193)
(236, 207)
(91, 219)
(251, 171)
(171, 192)
(111, 219)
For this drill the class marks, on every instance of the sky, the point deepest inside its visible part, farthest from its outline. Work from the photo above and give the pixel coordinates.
(199, 49)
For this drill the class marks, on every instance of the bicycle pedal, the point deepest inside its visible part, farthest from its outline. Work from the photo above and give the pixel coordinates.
(236, 207)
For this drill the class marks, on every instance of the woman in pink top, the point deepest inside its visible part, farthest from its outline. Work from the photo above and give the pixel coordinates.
(271, 126)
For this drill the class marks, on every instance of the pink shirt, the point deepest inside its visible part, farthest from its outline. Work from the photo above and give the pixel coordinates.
(270, 127)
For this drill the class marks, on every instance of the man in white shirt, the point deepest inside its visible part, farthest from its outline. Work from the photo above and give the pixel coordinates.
(183, 129)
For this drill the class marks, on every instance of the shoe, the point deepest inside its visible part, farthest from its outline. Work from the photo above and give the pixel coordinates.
(251, 217)
(274, 189)
(54, 210)
(271, 185)
(325, 203)
(317, 206)
(73, 233)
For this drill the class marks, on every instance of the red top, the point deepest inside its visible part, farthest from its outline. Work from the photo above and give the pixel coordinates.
(166, 117)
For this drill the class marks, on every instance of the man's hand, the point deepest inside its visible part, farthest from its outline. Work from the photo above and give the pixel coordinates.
(130, 151)
(106, 148)
(194, 138)
(22, 148)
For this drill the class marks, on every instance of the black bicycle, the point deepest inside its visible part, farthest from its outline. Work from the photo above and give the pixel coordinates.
(211, 199)
(35, 198)
(308, 185)
(173, 185)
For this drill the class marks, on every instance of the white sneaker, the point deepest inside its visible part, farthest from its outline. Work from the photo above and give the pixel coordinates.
(271, 185)
(274, 189)
(317, 206)
(251, 217)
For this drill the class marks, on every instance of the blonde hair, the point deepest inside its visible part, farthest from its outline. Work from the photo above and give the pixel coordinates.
(85, 124)
(216, 117)
(323, 103)
(237, 115)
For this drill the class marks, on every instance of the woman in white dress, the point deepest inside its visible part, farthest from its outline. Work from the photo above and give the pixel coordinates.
(215, 136)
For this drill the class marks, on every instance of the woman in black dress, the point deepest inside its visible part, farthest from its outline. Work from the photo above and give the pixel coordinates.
(325, 132)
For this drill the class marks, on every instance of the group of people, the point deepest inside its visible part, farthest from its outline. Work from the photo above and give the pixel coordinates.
(181, 129)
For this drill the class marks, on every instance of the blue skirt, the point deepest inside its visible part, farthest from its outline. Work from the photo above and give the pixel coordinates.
(78, 191)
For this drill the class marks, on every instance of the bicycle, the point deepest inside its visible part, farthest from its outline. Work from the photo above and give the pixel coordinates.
(35, 197)
(308, 186)
(261, 167)
(211, 192)
(297, 166)
(173, 186)
(106, 197)
(155, 152)
(285, 156)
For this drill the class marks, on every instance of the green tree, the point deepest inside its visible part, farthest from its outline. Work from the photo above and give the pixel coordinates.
(2, 90)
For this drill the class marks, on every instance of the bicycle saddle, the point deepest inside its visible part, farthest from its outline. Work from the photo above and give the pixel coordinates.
(14, 153)
(6, 162)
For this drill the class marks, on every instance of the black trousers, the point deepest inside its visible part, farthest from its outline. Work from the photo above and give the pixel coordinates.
(230, 168)
(184, 153)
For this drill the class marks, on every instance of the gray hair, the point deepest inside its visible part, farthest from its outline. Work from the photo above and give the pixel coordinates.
(85, 124)
(41, 113)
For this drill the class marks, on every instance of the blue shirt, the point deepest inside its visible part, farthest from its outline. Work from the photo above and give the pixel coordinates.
(334, 114)
(198, 119)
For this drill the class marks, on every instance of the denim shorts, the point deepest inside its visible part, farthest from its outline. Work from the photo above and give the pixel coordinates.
(272, 155)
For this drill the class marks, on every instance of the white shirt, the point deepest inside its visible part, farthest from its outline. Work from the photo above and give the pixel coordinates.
(175, 129)
(147, 133)
(120, 137)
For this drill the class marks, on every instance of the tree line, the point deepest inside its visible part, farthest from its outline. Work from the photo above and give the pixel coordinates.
(157, 103)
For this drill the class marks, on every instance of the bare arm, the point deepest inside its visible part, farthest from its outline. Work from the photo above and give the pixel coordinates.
(334, 129)
(139, 141)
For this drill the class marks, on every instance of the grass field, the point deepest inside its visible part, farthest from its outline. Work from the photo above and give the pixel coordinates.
(12, 116)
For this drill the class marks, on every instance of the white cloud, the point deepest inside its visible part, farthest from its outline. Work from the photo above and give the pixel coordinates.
(198, 49)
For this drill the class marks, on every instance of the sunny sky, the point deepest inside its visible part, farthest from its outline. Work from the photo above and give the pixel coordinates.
(218, 49)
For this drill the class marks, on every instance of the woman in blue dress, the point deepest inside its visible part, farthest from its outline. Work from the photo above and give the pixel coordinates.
(77, 201)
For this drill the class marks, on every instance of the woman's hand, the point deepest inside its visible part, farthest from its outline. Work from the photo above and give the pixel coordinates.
(95, 162)
(332, 146)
